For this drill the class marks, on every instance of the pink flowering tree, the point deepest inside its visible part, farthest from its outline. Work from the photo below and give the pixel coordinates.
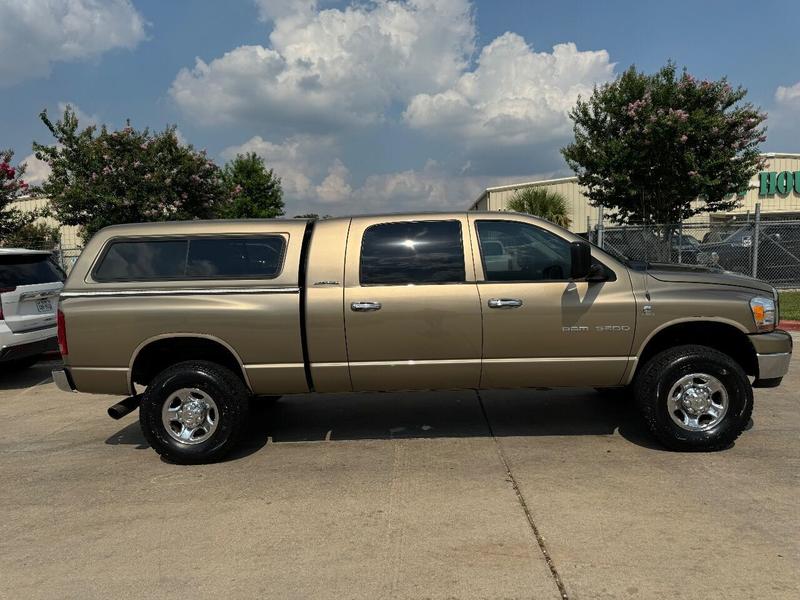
(102, 177)
(12, 186)
(648, 146)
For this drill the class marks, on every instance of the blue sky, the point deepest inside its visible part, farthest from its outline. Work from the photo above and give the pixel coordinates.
(372, 106)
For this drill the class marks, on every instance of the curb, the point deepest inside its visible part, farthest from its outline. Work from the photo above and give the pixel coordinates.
(789, 325)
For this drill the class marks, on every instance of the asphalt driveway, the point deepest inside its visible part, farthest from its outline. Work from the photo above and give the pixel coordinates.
(524, 494)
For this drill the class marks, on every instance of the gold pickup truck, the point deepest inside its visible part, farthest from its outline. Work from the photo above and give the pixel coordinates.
(194, 320)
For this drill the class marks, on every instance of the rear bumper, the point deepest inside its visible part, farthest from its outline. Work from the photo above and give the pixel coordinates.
(63, 380)
(773, 352)
(16, 351)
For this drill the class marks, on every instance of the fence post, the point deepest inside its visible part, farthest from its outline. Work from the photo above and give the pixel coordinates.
(680, 242)
(756, 230)
(600, 227)
(589, 228)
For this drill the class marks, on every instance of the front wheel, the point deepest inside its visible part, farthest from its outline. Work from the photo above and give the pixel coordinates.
(694, 398)
(194, 412)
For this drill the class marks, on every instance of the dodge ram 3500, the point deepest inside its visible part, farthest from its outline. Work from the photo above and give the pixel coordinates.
(193, 320)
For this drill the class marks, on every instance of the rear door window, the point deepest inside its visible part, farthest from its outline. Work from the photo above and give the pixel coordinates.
(28, 269)
(418, 252)
(259, 257)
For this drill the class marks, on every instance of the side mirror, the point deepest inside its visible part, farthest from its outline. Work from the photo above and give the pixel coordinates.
(582, 265)
(581, 256)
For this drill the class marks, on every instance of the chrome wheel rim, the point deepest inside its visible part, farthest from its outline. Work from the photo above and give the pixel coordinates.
(190, 416)
(697, 402)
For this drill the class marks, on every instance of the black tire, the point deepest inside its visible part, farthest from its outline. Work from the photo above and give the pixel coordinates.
(228, 392)
(656, 378)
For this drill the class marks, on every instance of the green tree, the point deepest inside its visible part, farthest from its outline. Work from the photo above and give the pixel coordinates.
(105, 177)
(37, 235)
(255, 191)
(541, 202)
(664, 147)
(12, 186)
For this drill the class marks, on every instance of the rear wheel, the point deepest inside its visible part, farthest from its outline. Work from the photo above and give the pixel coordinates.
(694, 398)
(194, 412)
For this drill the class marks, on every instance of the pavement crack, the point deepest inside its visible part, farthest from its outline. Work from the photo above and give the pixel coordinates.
(523, 504)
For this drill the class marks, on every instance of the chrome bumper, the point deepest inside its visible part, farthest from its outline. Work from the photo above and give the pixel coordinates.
(772, 366)
(62, 380)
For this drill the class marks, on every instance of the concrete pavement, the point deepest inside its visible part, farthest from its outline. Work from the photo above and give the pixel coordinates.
(430, 495)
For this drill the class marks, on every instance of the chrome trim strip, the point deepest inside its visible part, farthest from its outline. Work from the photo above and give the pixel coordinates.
(556, 359)
(467, 361)
(118, 369)
(275, 366)
(182, 292)
(772, 366)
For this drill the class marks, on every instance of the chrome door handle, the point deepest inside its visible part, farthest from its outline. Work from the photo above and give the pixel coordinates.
(365, 306)
(505, 303)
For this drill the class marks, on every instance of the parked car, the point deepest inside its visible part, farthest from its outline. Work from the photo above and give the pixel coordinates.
(29, 286)
(642, 244)
(778, 250)
(193, 320)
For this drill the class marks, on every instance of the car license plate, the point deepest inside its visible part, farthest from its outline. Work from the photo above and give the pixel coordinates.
(44, 306)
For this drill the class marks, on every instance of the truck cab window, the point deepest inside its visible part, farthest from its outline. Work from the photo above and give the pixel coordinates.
(418, 252)
(513, 251)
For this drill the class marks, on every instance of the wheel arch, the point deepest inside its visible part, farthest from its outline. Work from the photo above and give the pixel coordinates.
(148, 357)
(724, 335)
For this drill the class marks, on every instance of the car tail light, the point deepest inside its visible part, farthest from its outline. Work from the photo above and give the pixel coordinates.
(3, 291)
(62, 333)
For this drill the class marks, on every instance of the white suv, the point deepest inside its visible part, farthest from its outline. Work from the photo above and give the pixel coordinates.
(29, 286)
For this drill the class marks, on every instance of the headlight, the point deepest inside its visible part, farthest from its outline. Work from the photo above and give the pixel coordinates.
(763, 313)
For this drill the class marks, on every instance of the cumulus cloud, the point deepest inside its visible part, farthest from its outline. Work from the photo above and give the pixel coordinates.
(295, 160)
(33, 35)
(788, 96)
(36, 171)
(325, 70)
(514, 95)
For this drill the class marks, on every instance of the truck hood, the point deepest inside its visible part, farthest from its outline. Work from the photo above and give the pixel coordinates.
(705, 275)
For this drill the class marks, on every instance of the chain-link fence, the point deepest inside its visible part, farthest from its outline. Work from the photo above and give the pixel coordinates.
(64, 255)
(765, 248)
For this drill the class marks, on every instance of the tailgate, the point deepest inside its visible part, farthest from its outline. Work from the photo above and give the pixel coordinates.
(29, 288)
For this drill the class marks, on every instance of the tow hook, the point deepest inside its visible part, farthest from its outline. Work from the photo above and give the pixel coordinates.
(124, 407)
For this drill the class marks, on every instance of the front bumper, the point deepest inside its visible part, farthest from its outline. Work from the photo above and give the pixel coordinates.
(773, 352)
(63, 380)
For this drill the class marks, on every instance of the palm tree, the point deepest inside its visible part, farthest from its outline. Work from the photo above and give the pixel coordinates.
(541, 202)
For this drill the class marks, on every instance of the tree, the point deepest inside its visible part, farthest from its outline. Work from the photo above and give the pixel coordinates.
(37, 235)
(12, 186)
(663, 148)
(255, 191)
(541, 202)
(105, 177)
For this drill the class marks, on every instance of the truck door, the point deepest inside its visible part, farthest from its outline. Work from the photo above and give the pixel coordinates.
(411, 308)
(540, 328)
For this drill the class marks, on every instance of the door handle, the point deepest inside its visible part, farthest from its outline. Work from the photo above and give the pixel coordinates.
(365, 306)
(505, 303)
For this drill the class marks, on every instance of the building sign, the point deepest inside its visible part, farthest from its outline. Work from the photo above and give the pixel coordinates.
(781, 183)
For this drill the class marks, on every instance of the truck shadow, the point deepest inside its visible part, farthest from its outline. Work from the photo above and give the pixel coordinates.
(443, 414)
(453, 414)
(20, 379)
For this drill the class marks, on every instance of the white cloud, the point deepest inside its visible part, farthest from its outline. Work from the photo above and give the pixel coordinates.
(34, 34)
(36, 171)
(514, 95)
(295, 160)
(334, 188)
(788, 96)
(329, 69)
